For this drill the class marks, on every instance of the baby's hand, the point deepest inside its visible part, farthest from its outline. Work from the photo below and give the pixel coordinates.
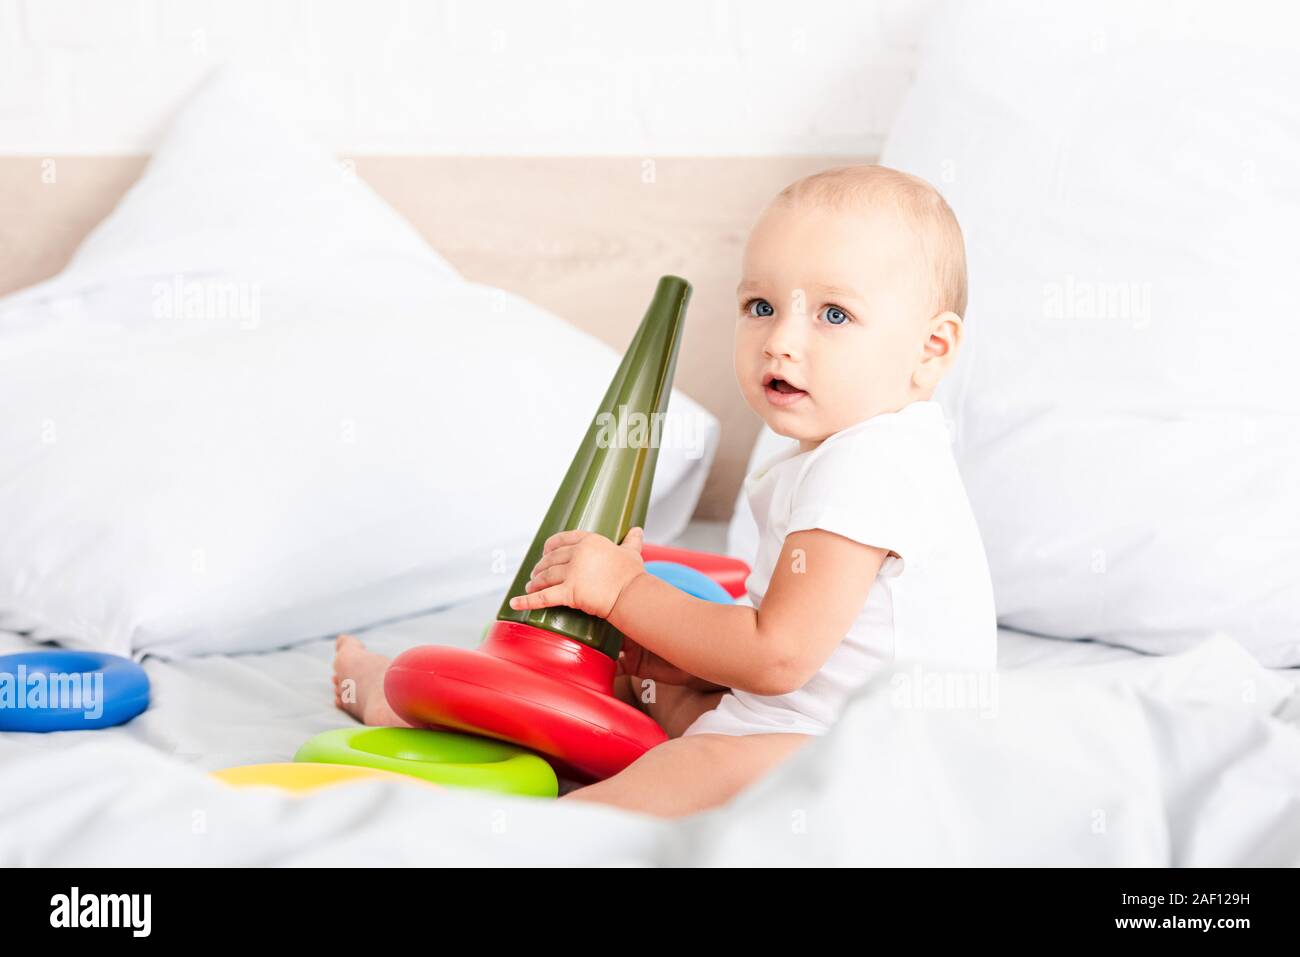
(582, 570)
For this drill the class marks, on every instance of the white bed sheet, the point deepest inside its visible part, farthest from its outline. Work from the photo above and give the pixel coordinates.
(1125, 735)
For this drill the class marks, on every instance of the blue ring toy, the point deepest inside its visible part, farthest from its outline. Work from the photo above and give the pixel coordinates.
(690, 580)
(69, 691)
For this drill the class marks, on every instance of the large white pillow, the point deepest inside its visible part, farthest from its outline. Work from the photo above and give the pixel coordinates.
(258, 408)
(1127, 414)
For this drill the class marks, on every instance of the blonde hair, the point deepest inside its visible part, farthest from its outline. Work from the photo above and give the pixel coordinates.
(919, 203)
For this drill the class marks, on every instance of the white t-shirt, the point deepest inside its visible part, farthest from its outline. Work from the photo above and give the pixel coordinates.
(890, 482)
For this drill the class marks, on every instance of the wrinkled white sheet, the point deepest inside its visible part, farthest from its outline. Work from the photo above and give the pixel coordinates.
(1079, 754)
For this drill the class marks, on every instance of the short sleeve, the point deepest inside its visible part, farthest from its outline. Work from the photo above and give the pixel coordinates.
(870, 488)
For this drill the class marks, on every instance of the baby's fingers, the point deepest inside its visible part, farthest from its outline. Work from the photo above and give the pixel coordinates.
(563, 538)
(545, 598)
(634, 539)
(558, 557)
(548, 576)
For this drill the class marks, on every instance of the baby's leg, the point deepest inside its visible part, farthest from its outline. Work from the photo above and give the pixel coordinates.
(691, 774)
(674, 707)
(359, 684)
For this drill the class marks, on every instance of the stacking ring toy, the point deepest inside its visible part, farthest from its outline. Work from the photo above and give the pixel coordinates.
(57, 690)
(529, 687)
(300, 778)
(440, 757)
(543, 678)
(729, 573)
(690, 580)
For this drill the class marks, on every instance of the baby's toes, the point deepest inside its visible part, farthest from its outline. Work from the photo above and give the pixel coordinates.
(348, 649)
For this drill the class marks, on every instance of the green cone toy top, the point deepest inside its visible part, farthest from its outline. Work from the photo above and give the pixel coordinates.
(607, 487)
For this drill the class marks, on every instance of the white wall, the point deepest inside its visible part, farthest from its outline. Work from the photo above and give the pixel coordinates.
(507, 76)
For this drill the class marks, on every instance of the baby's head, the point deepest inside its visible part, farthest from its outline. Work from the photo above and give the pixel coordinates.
(852, 296)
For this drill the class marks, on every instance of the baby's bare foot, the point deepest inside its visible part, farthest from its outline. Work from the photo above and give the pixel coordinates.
(359, 684)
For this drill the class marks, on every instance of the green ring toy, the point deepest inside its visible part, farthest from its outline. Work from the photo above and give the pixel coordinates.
(456, 760)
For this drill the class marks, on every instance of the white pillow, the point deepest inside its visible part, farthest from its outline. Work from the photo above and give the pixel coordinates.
(1127, 416)
(257, 408)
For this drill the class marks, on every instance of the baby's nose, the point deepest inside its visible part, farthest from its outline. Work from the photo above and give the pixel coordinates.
(783, 341)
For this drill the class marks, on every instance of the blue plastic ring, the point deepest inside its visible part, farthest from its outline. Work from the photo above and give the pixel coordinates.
(58, 690)
(690, 580)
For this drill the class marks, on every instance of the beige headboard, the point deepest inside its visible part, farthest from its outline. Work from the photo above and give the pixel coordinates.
(586, 237)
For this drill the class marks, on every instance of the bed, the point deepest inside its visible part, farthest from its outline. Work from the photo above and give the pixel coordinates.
(1171, 767)
(1163, 745)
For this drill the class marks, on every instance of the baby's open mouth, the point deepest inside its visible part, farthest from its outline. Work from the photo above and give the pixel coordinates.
(780, 391)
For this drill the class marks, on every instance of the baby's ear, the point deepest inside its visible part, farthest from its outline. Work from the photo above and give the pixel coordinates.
(940, 349)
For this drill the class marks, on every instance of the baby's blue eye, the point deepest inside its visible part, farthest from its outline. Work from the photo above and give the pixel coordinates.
(836, 316)
(761, 308)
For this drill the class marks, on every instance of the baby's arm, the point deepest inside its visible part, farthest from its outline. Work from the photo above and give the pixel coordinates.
(819, 585)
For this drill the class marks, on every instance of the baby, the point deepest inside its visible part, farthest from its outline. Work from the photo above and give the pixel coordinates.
(849, 314)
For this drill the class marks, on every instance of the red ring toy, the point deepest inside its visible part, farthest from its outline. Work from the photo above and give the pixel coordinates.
(530, 687)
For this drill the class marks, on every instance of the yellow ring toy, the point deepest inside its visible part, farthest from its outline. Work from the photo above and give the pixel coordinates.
(301, 778)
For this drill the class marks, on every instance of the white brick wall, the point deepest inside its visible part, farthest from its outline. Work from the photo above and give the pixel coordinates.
(507, 76)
